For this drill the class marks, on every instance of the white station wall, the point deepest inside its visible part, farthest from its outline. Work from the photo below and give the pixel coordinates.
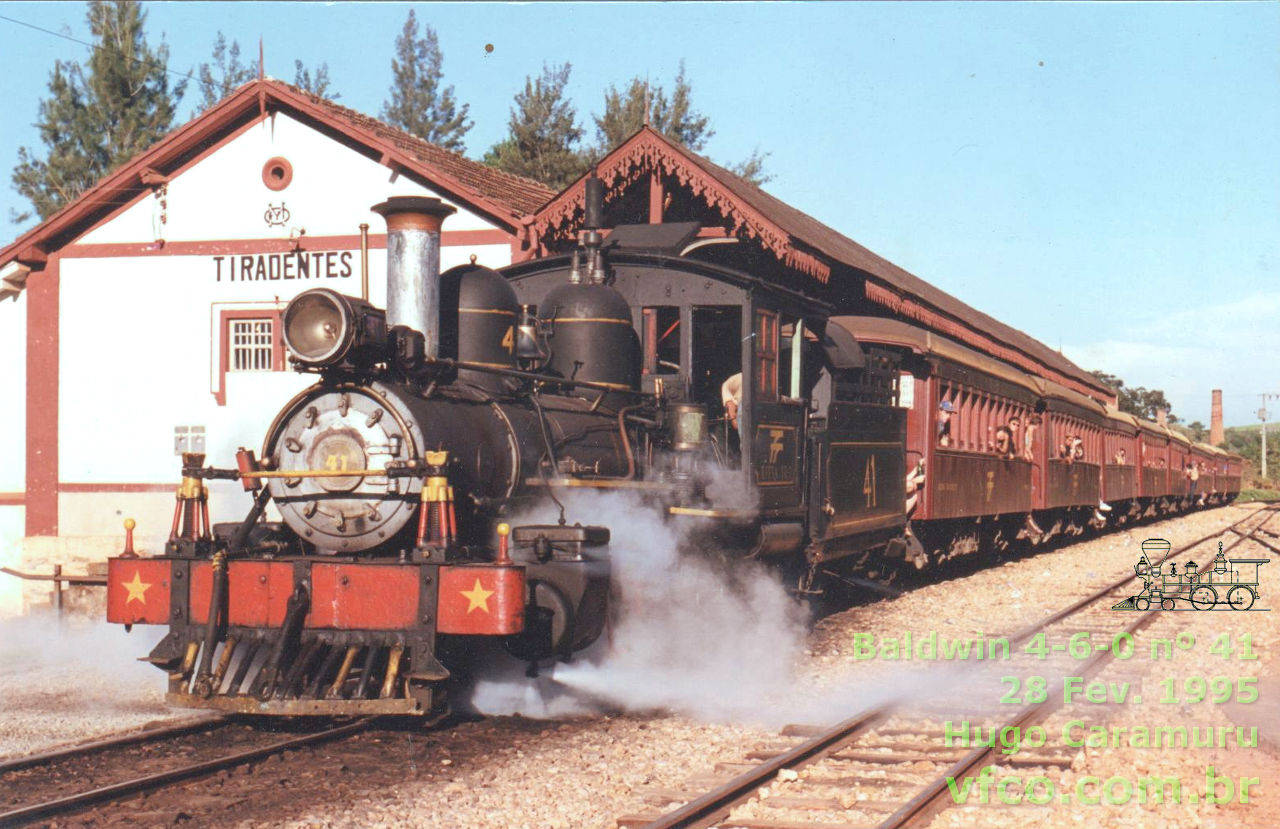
(13, 447)
(224, 197)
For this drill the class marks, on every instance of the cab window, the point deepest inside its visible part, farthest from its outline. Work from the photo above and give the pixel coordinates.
(766, 347)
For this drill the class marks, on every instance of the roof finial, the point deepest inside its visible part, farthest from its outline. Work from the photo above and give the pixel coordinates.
(262, 72)
(646, 100)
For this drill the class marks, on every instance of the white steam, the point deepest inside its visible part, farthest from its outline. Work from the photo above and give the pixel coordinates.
(689, 635)
(62, 678)
(724, 488)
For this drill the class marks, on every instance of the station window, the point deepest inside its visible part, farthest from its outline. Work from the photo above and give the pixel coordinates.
(250, 341)
(252, 344)
(766, 355)
(661, 339)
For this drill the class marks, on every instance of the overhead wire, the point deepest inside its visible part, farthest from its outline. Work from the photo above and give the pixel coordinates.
(155, 64)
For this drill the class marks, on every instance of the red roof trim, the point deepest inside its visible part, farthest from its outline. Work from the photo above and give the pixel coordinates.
(907, 307)
(804, 244)
(127, 181)
(333, 116)
(647, 151)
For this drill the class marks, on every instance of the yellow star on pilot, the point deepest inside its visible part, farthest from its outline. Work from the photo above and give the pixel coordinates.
(137, 588)
(478, 597)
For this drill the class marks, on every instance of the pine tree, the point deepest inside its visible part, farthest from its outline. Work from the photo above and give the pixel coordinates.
(222, 77)
(542, 134)
(318, 84)
(752, 169)
(624, 114)
(101, 114)
(418, 103)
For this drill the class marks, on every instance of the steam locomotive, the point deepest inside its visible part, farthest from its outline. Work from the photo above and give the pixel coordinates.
(478, 395)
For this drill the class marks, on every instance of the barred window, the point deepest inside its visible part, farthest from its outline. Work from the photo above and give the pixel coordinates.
(251, 344)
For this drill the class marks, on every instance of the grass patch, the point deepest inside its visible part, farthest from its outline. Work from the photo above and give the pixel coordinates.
(1250, 495)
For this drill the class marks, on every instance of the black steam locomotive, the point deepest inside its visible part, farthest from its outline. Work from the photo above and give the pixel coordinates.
(653, 360)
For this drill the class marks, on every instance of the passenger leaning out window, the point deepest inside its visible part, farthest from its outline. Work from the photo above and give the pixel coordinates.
(1029, 439)
(945, 412)
(1004, 443)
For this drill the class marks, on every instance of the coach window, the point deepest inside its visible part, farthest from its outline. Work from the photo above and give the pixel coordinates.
(973, 421)
(962, 420)
(661, 339)
(948, 432)
(766, 356)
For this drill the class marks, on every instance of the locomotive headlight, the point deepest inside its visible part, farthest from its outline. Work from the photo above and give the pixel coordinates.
(323, 328)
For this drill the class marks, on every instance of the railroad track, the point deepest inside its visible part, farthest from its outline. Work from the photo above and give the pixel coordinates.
(60, 782)
(882, 767)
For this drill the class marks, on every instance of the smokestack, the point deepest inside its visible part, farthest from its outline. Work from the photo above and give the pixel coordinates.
(1216, 437)
(1162, 417)
(413, 264)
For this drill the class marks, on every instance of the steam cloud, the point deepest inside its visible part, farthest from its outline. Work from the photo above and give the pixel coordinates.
(690, 636)
(53, 673)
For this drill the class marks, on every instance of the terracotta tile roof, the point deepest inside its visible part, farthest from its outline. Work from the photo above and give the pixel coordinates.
(508, 199)
(523, 195)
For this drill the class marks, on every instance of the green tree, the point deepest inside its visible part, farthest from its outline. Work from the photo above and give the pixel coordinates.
(100, 114)
(625, 112)
(1138, 400)
(224, 75)
(318, 84)
(1246, 441)
(752, 169)
(418, 102)
(541, 133)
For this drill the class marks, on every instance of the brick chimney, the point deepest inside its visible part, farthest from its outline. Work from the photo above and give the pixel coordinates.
(1215, 419)
(1162, 417)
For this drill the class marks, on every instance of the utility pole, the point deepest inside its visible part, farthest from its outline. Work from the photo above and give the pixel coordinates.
(1262, 415)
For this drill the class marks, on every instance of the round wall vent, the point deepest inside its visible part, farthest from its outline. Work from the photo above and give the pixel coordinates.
(277, 173)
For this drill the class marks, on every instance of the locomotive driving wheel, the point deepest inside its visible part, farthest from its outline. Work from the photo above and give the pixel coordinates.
(1204, 597)
(1241, 597)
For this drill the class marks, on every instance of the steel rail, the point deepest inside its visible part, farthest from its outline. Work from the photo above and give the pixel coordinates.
(927, 803)
(714, 806)
(114, 741)
(923, 807)
(164, 778)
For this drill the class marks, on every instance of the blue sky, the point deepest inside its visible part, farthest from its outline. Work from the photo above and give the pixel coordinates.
(1104, 176)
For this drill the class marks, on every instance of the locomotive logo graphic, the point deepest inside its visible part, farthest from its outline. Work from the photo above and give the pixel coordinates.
(1229, 584)
(276, 216)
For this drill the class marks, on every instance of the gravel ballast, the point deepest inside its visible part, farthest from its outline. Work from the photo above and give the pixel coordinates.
(587, 771)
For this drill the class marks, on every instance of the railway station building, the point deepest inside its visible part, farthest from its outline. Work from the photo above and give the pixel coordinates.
(146, 314)
(144, 317)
